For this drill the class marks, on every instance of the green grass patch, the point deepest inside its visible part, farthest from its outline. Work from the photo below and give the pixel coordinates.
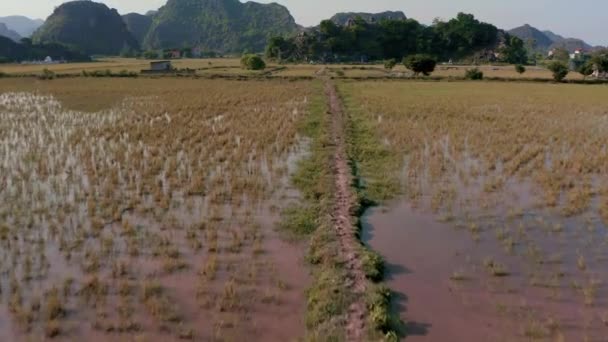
(373, 163)
(300, 220)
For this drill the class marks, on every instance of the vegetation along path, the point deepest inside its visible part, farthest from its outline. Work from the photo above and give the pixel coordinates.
(343, 218)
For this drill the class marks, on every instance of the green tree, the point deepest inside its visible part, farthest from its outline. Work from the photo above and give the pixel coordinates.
(420, 64)
(599, 60)
(514, 51)
(252, 62)
(390, 64)
(280, 49)
(585, 69)
(460, 36)
(186, 52)
(559, 69)
(520, 69)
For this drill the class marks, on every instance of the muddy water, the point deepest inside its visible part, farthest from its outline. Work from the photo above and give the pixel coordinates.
(444, 291)
(421, 254)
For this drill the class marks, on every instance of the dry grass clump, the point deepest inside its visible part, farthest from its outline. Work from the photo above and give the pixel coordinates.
(145, 181)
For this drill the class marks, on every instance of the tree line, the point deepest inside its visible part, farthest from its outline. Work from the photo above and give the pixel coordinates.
(28, 51)
(359, 40)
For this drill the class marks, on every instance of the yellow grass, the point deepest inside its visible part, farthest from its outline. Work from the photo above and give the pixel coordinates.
(452, 131)
(117, 65)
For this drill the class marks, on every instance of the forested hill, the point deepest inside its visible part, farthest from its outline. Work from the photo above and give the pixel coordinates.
(218, 25)
(90, 26)
(456, 39)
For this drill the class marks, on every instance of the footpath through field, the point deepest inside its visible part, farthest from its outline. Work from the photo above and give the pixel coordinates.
(344, 219)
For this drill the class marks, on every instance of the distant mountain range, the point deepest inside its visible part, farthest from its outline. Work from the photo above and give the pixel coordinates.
(22, 25)
(8, 33)
(225, 26)
(546, 40)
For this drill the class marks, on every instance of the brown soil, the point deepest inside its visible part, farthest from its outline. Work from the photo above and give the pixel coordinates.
(345, 201)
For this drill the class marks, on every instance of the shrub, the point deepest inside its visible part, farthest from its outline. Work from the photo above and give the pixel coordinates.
(46, 75)
(473, 74)
(559, 69)
(520, 69)
(126, 73)
(420, 64)
(585, 69)
(373, 265)
(252, 62)
(389, 64)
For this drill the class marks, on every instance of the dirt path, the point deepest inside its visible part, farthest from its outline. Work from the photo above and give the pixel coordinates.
(343, 220)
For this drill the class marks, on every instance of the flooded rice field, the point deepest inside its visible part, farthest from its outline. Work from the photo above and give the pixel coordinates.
(150, 218)
(494, 215)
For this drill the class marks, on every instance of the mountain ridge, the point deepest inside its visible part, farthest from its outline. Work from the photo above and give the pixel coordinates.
(547, 40)
(24, 26)
(8, 33)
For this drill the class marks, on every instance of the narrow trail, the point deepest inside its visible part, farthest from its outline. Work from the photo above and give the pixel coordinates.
(343, 218)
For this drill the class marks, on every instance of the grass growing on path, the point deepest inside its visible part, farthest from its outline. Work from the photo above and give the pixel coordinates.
(330, 295)
(327, 298)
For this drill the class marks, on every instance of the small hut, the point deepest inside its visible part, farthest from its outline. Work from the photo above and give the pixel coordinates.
(160, 66)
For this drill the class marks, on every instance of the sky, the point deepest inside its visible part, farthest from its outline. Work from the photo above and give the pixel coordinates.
(585, 19)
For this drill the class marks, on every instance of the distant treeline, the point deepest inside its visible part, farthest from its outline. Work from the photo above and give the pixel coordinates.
(27, 51)
(360, 40)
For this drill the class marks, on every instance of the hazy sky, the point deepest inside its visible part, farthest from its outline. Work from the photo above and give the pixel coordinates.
(584, 19)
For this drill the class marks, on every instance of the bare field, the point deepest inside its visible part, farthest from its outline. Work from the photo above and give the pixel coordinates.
(501, 231)
(145, 209)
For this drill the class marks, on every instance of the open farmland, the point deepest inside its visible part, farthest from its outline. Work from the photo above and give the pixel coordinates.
(144, 209)
(231, 67)
(496, 199)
